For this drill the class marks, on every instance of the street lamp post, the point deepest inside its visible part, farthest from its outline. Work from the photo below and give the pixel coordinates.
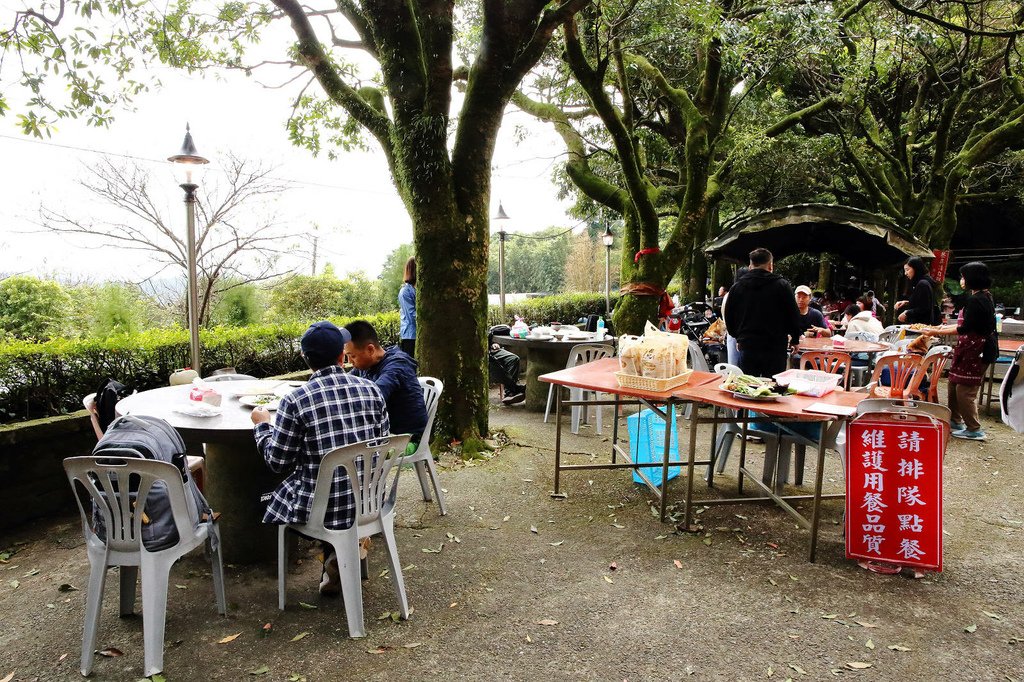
(608, 238)
(501, 218)
(189, 164)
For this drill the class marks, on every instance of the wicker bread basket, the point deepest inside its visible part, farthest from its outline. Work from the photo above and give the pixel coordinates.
(650, 384)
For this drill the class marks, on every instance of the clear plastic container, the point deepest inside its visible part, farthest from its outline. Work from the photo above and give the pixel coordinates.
(812, 382)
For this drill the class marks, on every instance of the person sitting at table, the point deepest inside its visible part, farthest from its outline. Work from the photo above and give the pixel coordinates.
(394, 372)
(331, 410)
(812, 322)
(858, 320)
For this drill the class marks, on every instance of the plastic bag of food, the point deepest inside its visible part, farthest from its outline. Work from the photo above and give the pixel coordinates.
(629, 354)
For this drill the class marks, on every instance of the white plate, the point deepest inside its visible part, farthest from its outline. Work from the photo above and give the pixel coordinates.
(540, 337)
(259, 401)
(248, 387)
(287, 387)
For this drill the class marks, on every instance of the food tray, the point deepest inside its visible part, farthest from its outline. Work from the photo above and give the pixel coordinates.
(650, 384)
(755, 398)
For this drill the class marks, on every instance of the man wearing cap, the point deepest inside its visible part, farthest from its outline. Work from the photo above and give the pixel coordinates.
(811, 320)
(331, 410)
(761, 313)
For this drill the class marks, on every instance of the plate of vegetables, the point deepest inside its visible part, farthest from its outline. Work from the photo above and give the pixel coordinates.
(268, 401)
(752, 388)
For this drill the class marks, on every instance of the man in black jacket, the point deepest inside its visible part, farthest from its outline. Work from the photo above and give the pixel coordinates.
(762, 314)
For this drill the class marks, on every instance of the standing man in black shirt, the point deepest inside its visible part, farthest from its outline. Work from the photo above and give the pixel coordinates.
(762, 315)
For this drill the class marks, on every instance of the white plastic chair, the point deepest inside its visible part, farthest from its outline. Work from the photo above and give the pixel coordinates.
(730, 431)
(89, 403)
(580, 354)
(102, 478)
(228, 377)
(369, 463)
(423, 458)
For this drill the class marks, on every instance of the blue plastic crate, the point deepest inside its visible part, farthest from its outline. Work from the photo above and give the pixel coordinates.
(647, 444)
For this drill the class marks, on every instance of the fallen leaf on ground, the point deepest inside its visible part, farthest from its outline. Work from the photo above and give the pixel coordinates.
(533, 529)
(308, 606)
(865, 624)
(971, 628)
(431, 550)
(453, 604)
(67, 587)
(678, 563)
(772, 581)
(378, 650)
(869, 644)
(182, 587)
(295, 677)
(797, 668)
(831, 616)
(110, 652)
(229, 638)
(607, 579)
(556, 544)
(34, 571)
(993, 616)
(858, 665)
(507, 517)
(618, 525)
(62, 657)
(528, 639)
(262, 670)
(8, 678)
(301, 635)
(14, 583)
(547, 621)
(898, 647)
(384, 616)
(412, 645)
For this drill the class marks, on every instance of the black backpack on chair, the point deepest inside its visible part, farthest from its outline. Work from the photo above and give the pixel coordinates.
(107, 396)
(153, 438)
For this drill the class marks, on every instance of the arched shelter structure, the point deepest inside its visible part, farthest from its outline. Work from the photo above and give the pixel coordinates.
(860, 237)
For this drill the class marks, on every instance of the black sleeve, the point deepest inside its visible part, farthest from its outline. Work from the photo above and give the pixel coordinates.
(919, 307)
(977, 318)
(789, 311)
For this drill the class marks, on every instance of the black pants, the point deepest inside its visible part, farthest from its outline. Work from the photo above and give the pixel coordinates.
(760, 362)
(503, 367)
(408, 346)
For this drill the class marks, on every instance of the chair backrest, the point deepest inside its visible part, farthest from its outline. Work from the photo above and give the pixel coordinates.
(368, 464)
(582, 353)
(931, 367)
(725, 369)
(695, 358)
(432, 389)
(105, 478)
(228, 377)
(940, 412)
(833, 362)
(890, 334)
(901, 371)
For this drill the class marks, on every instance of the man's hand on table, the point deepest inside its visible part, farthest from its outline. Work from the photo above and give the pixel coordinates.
(260, 415)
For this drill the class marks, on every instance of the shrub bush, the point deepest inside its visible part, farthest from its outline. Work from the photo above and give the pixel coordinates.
(45, 379)
(564, 308)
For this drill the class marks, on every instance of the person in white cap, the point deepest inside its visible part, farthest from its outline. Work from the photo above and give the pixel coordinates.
(812, 322)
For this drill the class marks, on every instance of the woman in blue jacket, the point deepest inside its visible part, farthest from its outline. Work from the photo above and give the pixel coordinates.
(407, 309)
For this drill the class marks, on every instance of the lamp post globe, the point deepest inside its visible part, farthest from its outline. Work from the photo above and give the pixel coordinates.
(188, 165)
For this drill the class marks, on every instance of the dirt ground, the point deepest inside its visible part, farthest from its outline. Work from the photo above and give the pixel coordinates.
(741, 604)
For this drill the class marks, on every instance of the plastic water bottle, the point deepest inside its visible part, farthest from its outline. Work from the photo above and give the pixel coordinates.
(999, 322)
(600, 327)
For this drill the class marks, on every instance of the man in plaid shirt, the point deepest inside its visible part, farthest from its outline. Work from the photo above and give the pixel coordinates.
(331, 410)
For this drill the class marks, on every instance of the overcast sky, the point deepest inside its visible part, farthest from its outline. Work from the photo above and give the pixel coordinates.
(351, 198)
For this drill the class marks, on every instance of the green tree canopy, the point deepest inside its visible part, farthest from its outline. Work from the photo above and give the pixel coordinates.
(31, 308)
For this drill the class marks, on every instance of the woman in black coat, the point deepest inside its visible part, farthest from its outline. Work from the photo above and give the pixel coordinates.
(920, 307)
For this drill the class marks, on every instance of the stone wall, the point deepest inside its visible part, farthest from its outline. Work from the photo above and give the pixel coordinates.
(32, 480)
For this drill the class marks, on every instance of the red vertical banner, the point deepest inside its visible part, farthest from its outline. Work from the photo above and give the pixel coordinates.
(939, 264)
(894, 489)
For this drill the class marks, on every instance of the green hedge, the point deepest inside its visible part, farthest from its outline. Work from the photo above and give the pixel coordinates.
(50, 378)
(564, 308)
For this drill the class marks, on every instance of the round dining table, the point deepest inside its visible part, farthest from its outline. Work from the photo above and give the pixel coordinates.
(545, 355)
(236, 473)
(851, 346)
